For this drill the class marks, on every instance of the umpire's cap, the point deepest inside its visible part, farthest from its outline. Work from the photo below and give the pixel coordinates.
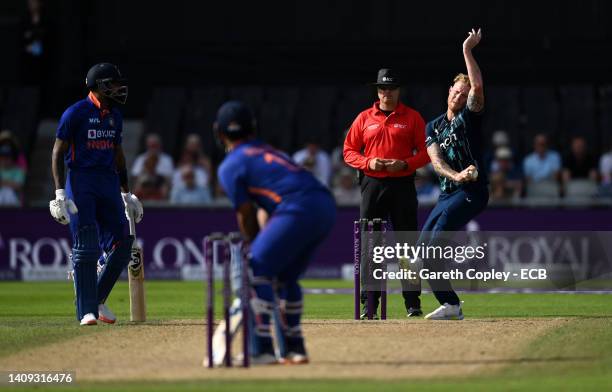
(387, 77)
(235, 120)
(102, 76)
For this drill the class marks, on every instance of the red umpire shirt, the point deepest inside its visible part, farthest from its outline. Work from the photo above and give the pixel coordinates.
(401, 135)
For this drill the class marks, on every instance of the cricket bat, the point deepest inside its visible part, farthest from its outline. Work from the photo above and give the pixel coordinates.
(136, 278)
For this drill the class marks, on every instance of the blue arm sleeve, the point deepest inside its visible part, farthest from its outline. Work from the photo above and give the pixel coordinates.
(65, 128)
(232, 177)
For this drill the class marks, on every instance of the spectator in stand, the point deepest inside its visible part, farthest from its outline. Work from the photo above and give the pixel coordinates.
(150, 185)
(426, 184)
(164, 167)
(542, 164)
(605, 171)
(579, 163)
(189, 192)
(316, 160)
(194, 154)
(8, 197)
(337, 156)
(506, 181)
(194, 158)
(499, 139)
(605, 168)
(12, 177)
(7, 138)
(346, 191)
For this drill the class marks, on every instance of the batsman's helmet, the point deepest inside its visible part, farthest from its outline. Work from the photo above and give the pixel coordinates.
(106, 79)
(235, 120)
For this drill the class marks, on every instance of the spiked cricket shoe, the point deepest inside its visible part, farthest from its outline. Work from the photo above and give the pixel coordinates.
(446, 312)
(89, 319)
(105, 315)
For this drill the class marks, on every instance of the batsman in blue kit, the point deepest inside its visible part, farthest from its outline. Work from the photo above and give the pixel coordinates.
(454, 144)
(301, 214)
(95, 199)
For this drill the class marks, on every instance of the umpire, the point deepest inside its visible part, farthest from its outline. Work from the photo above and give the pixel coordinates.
(386, 143)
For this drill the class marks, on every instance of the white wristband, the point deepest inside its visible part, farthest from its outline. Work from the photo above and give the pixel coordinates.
(60, 194)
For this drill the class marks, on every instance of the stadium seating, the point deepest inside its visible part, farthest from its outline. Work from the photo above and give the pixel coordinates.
(165, 115)
(548, 190)
(277, 117)
(502, 110)
(578, 112)
(20, 114)
(314, 116)
(540, 113)
(580, 189)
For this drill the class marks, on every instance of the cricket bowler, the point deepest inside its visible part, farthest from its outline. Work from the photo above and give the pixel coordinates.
(454, 144)
(95, 199)
(301, 214)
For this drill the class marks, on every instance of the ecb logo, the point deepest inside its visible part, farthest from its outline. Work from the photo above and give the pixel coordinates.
(91, 134)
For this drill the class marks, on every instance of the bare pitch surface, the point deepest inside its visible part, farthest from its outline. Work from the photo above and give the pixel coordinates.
(394, 349)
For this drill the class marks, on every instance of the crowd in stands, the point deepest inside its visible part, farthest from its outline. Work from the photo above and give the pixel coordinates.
(13, 169)
(547, 173)
(543, 173)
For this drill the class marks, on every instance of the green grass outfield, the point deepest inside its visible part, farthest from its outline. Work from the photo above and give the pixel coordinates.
(33, 314)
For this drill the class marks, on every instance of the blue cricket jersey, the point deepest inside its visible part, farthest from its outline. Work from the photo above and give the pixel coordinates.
(93, 132)
(460, 141)
(254, 171)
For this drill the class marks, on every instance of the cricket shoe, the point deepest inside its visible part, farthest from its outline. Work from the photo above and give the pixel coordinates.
(364, 316)
(293, 358)
(296, 352)
(89, 319)
(414, 312)
(105, 315)
(446, 312)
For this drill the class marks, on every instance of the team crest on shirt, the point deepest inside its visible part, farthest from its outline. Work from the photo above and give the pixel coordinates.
(111, 122)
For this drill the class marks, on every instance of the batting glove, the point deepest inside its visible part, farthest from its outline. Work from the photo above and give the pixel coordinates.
(133, 206)
(61, 208)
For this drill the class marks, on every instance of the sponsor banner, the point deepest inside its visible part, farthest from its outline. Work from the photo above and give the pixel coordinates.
(34, 246)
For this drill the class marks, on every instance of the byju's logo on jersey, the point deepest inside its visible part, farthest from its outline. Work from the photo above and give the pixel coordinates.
(93, 134)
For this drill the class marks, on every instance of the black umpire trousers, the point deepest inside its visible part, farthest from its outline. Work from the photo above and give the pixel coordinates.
(394, 199)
